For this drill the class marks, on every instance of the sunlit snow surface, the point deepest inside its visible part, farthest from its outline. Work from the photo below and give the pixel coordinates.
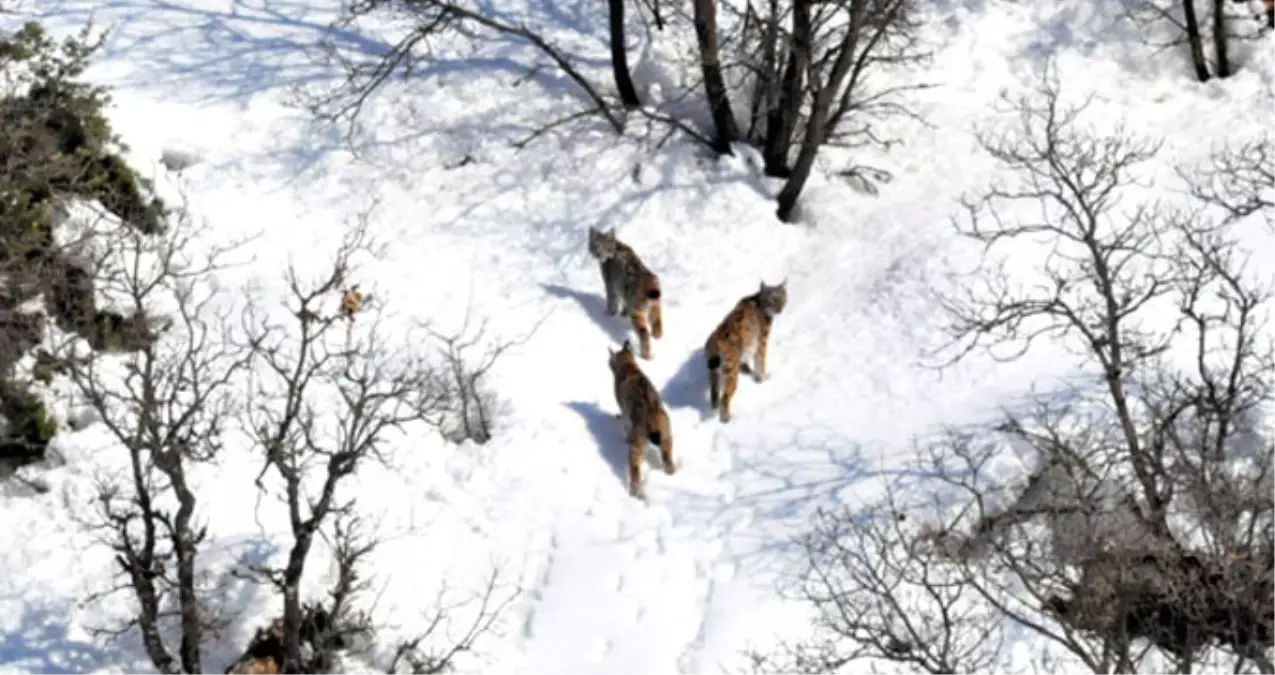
(687, 581)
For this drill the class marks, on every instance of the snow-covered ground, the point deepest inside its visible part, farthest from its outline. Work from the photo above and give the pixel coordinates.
(687, 581)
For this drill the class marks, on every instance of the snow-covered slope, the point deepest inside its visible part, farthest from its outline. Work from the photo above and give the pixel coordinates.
(686, 581)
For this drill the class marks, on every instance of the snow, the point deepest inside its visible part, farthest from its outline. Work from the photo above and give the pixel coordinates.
(689, 580)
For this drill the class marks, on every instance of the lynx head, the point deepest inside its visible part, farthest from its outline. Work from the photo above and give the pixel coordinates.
(773, 299)
(602, 244)
(621, 358)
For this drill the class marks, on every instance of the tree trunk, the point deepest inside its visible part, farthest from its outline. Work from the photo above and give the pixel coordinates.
(1195, 41)
(620, 56)
(805, 163)
(821, 108)
(185, 546)
(1219, 39)
(292, 661)
(767, 90)
(714, 82)
(782, 122)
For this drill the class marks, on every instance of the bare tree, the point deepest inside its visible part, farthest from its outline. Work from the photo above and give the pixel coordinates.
(1145, 526)
(876, 598)
(468, 407)
(332, 388)
(1240, 179)
(1193, 24)
(782, 63)
(758, 41)
(424, 654)
(165, 401)
(364, 75)
(715, 89)
(319, 408)
(1182, 19)
(1179, 424)
(841, 46)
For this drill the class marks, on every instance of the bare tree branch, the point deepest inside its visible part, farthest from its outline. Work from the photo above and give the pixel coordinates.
(167, 409)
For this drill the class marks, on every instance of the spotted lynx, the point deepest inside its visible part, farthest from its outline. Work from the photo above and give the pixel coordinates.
(642, 413)
(631, 288)
(740, 341)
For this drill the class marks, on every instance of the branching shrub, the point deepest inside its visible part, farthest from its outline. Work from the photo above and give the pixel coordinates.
(332, 389)
(1142, 536)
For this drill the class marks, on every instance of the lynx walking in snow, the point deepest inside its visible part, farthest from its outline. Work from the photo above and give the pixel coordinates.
(642, 413)
(631, 288)
(740, 342)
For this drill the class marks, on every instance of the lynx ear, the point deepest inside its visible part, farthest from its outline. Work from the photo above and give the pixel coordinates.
(627, 346)
(784, 283)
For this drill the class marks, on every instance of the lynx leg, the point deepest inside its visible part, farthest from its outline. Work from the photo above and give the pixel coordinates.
(610, 270)
(637, 444)
(666, 445)
(714, 381)
(759, 359)
(644, 333)
(657, 320)
(728, 392)
(612, 292)
(613, 301)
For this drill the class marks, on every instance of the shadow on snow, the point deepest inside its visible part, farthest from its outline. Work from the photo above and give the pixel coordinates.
(594, 305)
(607, 435)
(688, 387)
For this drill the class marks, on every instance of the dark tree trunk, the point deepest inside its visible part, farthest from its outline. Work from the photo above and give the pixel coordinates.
(782, 122)
(800, 173)
(820, 110)
(714, 82)
(1223, 68)
(767, 90)
(185, 546)
(620, 56)
(292, 661)
(1195, 42)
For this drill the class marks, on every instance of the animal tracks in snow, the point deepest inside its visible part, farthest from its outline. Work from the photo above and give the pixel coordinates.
(536, 593)
(621, 574)
(660, 569)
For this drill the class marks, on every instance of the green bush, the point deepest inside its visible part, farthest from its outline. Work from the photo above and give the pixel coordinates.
(27, 427)
(55, 144)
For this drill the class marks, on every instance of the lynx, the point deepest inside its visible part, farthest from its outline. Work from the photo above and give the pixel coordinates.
(631, 288)
(642, 413)
(739, 343)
